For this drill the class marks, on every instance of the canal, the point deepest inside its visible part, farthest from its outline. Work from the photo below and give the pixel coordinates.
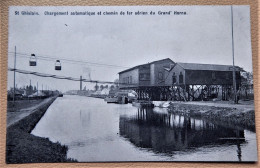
(96, 131)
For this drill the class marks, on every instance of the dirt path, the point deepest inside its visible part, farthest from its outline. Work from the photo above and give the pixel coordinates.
(13, 117)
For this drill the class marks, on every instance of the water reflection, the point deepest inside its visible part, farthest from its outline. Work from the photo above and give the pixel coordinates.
(167, 133)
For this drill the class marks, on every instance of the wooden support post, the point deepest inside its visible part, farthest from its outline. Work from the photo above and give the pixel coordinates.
(184, 94)
(222, 92)
(188, 91)
(200, 93)
(193, 92)
(179, 94)
(208, 91)
(169, 93)
(173, 93)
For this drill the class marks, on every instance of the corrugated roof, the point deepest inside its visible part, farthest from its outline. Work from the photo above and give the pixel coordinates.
(210, 67)
(145, 64)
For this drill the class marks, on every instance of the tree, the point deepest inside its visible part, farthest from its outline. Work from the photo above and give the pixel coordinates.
(247, 78)
(247, 82)
(116, 81)
(96, 87)
(101, 87)
(112, 87)
(29, 90)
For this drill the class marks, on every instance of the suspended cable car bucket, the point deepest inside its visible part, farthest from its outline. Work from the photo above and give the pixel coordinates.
(32, 61)
(57, 65)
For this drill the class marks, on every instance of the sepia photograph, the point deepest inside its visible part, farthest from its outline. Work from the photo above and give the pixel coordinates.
(130, 83)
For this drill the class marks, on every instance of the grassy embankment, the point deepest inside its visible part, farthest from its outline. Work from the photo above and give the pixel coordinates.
(22, 104)
(234, 116)
(23, 147)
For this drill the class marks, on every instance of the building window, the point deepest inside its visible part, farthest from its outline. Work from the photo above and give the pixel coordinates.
(144, 76)
(237, 75)
(213, 76)
(227, 76)
(160, 76)
(141, 76)
(125, 80)
(174, 78)
(180, 78)
(130, 80)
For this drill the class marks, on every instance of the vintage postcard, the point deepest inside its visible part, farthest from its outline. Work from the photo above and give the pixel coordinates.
(130, 83)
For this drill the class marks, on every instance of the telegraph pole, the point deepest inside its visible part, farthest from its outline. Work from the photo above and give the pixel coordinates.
(37, 89)
(234, 71)
(80, 82)
(14, 73)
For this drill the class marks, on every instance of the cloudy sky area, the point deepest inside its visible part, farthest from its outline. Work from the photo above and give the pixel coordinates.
(201, 36)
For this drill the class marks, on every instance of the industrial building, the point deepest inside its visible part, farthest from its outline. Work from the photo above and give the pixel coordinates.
(168, 80)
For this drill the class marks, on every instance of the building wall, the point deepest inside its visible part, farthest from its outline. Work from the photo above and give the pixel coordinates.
(152, 72)
(159, 75)
(175, 71)
(200, 77)
(129, 78)
(144, 75)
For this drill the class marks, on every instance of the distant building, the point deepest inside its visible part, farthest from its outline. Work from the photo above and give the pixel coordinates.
(104, 91)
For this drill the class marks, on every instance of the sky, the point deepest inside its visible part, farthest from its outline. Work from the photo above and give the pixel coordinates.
(203, 35)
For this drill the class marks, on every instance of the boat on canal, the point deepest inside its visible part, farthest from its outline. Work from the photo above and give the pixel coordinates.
(142, 103)
(121, 97)
(111, 99)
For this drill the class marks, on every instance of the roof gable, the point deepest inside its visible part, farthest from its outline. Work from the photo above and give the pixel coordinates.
(149, 63)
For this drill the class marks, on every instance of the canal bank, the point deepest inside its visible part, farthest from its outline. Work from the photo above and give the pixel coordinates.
(23, 147)
(240, 116)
